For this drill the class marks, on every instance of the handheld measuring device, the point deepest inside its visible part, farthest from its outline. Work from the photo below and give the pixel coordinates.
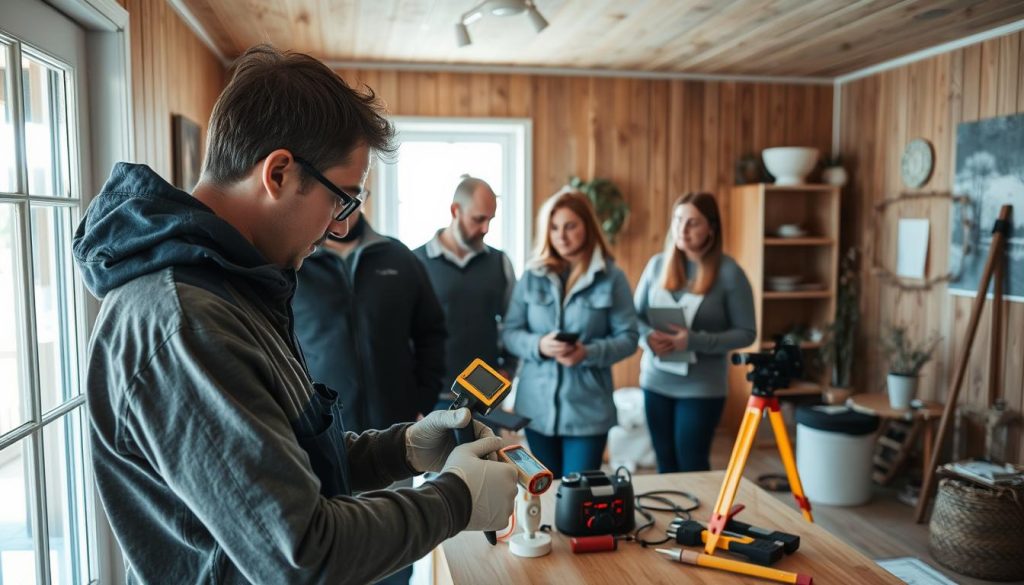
(479, 388)
(534, 479)
(532, 475)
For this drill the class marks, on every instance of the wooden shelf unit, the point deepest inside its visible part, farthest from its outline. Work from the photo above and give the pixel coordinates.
(755, 214)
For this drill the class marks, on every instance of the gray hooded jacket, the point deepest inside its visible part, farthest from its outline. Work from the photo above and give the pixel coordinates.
(216, 458)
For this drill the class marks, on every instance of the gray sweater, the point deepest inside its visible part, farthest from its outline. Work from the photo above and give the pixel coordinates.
(724, 322)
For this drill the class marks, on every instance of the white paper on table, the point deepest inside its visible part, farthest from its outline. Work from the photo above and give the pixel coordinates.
(912, 248)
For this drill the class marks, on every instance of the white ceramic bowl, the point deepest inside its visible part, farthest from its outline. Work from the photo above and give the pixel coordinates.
(791, 230)
(790, 164)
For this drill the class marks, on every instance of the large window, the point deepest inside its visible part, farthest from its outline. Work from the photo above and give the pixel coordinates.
(414, 194)
(44, 516)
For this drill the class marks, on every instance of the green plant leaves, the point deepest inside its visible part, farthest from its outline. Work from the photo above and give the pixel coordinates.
(609, 204)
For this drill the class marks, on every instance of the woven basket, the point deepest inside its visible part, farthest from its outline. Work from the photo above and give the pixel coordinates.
(978, 531)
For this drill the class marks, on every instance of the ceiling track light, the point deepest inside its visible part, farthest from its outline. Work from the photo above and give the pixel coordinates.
(497, 8)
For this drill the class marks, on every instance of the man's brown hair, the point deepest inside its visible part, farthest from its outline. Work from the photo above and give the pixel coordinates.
(289, 100)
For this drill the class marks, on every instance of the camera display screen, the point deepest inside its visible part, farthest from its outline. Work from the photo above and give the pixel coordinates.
(524, 461)
(484, 381)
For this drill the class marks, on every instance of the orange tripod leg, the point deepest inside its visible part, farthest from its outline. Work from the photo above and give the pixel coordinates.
(733, 474)
(786, 452)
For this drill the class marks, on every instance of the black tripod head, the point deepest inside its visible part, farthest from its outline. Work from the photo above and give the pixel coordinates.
(773, 369)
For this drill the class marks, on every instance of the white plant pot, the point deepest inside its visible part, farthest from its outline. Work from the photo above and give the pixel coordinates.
(902, 390)
(834, 176)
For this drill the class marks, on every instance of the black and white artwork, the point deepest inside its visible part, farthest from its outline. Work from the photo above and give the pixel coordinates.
(990, 171)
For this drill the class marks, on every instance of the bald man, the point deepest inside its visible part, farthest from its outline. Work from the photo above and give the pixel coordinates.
(472, 280)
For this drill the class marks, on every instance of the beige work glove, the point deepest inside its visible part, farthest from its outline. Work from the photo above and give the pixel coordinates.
(429, 442)
(492, 484)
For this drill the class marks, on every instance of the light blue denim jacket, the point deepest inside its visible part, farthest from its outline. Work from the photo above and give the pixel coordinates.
(560, 400)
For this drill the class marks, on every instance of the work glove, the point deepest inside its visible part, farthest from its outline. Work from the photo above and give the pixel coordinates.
(429, 442)
(492, 484)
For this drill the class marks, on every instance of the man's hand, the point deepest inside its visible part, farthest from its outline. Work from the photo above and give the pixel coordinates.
(429, 442)
(492, 484)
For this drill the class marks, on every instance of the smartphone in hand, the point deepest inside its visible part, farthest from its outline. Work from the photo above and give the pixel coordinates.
(566, 337)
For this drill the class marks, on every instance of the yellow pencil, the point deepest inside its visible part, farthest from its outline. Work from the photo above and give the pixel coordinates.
(690, 557)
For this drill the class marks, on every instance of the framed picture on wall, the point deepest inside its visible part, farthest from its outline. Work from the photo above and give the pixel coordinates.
(186, 152)
(990, 171)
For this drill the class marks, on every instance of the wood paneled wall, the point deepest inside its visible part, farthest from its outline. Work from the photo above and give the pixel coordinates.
(879, 116)
(656, 139)
(173, 72)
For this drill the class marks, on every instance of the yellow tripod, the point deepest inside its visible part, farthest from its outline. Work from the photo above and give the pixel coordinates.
(770, 371)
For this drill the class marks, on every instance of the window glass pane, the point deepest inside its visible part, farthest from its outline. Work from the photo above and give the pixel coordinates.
(17, 547)
(428, 173)
(66, 500)
(46, 131)
(8, 176)
(55, 305)
(14, 408)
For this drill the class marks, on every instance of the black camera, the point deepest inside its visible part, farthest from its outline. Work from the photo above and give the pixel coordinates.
(772, 370)
(592, 503)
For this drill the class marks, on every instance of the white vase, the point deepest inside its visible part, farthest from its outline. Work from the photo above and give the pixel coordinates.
(902, 390)
(834, 176)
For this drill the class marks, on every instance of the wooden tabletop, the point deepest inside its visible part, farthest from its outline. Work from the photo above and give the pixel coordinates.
(878, 404)
(472, 561)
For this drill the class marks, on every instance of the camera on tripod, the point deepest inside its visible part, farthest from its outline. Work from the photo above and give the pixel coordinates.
(775, 369)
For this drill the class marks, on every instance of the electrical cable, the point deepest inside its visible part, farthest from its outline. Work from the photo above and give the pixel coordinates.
(660, 496)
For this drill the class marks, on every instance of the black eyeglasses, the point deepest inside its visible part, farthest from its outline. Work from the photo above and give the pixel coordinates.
(349, 203)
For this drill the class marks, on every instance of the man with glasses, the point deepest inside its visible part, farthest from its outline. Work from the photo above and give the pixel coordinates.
(217, 457)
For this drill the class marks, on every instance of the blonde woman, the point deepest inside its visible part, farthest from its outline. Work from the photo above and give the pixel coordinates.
(571, 317)
(683, 370)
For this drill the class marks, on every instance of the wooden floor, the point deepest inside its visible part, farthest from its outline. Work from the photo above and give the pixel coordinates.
(881, 529)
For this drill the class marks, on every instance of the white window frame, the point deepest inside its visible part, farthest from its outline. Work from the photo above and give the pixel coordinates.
(515, 135)
(110, 140)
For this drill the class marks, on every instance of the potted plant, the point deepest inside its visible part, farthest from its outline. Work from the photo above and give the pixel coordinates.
(609, 204)
(906, 359)
(834, 173)
(838, 344)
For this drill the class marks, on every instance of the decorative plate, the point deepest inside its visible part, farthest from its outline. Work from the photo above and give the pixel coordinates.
(916, 164)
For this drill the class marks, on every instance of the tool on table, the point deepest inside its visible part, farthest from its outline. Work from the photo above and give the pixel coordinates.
(690, 557)
(594, 503)
(534, 480)
(790, 542)
(756, 550)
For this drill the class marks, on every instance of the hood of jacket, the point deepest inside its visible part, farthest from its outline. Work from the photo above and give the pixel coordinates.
(139, 224)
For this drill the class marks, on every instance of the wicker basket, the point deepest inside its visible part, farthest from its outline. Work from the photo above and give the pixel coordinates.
(978, 531)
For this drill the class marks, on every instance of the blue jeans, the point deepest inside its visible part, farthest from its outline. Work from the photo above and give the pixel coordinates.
(564, 455)
(682, 430)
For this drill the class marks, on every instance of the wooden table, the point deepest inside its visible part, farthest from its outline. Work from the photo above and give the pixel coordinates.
(469, 560)
(922, 419)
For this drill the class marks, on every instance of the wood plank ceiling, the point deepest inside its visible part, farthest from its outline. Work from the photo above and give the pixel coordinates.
(807, 38)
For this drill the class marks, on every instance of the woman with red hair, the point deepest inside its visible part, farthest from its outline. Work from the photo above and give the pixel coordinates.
(574, 291)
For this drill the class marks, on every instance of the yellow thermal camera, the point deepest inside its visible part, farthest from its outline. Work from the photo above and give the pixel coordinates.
(479, 387)
(531, 474)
